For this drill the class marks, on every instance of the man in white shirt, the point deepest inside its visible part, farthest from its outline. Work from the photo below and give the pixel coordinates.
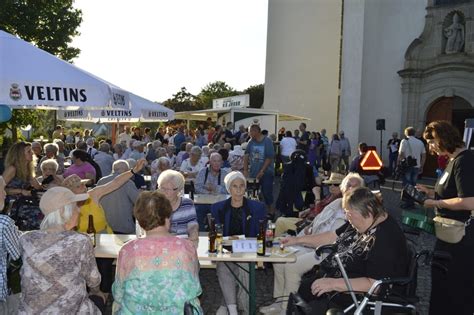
(414, 148)
(90, 147)
(125, 136)
(287, 146)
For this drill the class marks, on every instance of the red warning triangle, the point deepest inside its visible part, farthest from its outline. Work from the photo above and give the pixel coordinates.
(371, 161)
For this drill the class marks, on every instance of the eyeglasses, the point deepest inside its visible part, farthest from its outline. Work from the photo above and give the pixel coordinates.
(167, 189)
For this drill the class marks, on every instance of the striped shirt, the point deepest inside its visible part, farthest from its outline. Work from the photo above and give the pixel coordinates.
(9, 249)
(182, 217)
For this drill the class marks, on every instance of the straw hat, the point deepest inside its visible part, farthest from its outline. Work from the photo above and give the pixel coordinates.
(57, 197)
(335, 178)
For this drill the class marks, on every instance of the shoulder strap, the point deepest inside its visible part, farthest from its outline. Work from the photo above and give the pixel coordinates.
(409, 147)
(205, 176)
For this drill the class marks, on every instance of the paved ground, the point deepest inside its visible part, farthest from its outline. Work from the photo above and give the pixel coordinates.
(212, 296)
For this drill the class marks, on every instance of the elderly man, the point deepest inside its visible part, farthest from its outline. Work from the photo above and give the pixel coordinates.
(118, 205)
(210, 179)
(138, 151)
(104, 159)
(151, 154)
(37, 150)
(90, 147)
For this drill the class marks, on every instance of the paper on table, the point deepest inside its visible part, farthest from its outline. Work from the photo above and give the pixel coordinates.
(285, 251)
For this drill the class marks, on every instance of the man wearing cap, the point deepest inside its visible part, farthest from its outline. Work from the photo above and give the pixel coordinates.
(345, 149)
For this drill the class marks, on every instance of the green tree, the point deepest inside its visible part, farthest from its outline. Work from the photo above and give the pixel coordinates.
(217, 89)
(183, 101)
(256, 93)
(48, 24)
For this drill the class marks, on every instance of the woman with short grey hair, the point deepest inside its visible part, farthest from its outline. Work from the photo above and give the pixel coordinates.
(183, 220)
(50, 178)
(70, 255)
(51, 152)
(158, 166)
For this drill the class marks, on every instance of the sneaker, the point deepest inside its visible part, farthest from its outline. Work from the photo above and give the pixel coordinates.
(272, 308)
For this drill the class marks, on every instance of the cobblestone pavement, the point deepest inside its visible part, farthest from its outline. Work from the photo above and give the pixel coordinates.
(211, 297)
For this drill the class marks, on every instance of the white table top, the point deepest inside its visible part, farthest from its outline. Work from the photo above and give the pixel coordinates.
(109, 245)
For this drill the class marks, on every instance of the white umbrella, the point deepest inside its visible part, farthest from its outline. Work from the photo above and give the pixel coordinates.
(33, 78)
(141, 110)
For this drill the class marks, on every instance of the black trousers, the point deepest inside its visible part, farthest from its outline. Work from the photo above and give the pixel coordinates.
(452, 292)
(319, 305)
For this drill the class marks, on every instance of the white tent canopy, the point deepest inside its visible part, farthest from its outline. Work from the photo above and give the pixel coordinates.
(33, 78)
(141, 110)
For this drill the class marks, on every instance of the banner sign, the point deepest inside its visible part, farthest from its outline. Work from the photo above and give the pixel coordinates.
(238, 101)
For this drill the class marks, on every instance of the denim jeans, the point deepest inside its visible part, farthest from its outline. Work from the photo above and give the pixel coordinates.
(410, 177)
(266, 185)
(392, 162)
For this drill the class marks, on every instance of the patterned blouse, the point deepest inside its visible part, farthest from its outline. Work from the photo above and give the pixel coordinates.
(157, 275)
(57, 268)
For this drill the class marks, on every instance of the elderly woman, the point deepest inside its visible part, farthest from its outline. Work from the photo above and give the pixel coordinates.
(50, 177)
(453, 197)
(158, 166)
(58, 262)
(240, 216)
(81, 167)
(192, 165)
(371, 246)
(183, 219)
(183, 154)
(287, 277)
(170, 150)
(143, 285)
(51, 152)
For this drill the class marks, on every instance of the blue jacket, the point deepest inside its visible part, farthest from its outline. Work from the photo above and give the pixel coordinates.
(250, 222)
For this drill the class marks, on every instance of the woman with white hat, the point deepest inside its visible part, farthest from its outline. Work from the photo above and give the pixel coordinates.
(58, 262)
(239, 216)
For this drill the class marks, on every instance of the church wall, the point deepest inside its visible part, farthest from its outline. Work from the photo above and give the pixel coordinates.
(302, 65)
(388, 29)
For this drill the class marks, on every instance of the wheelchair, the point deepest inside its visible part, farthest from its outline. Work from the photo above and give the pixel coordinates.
(401, 301)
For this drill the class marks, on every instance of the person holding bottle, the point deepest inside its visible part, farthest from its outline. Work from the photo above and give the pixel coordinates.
(240, 216)
(58, 263)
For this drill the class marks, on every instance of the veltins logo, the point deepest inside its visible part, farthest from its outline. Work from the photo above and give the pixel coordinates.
(15, 92)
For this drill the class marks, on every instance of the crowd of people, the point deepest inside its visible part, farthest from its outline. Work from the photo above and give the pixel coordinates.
(51, 194)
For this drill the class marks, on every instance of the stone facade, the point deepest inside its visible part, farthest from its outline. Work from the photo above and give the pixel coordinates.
(433, 68)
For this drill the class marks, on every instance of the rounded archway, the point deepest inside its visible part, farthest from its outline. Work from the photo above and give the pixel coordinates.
(454, 109)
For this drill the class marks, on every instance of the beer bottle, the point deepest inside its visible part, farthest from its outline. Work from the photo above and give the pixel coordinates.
(212, 235)
(261, 239)
(270, 233)
(91, 230)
